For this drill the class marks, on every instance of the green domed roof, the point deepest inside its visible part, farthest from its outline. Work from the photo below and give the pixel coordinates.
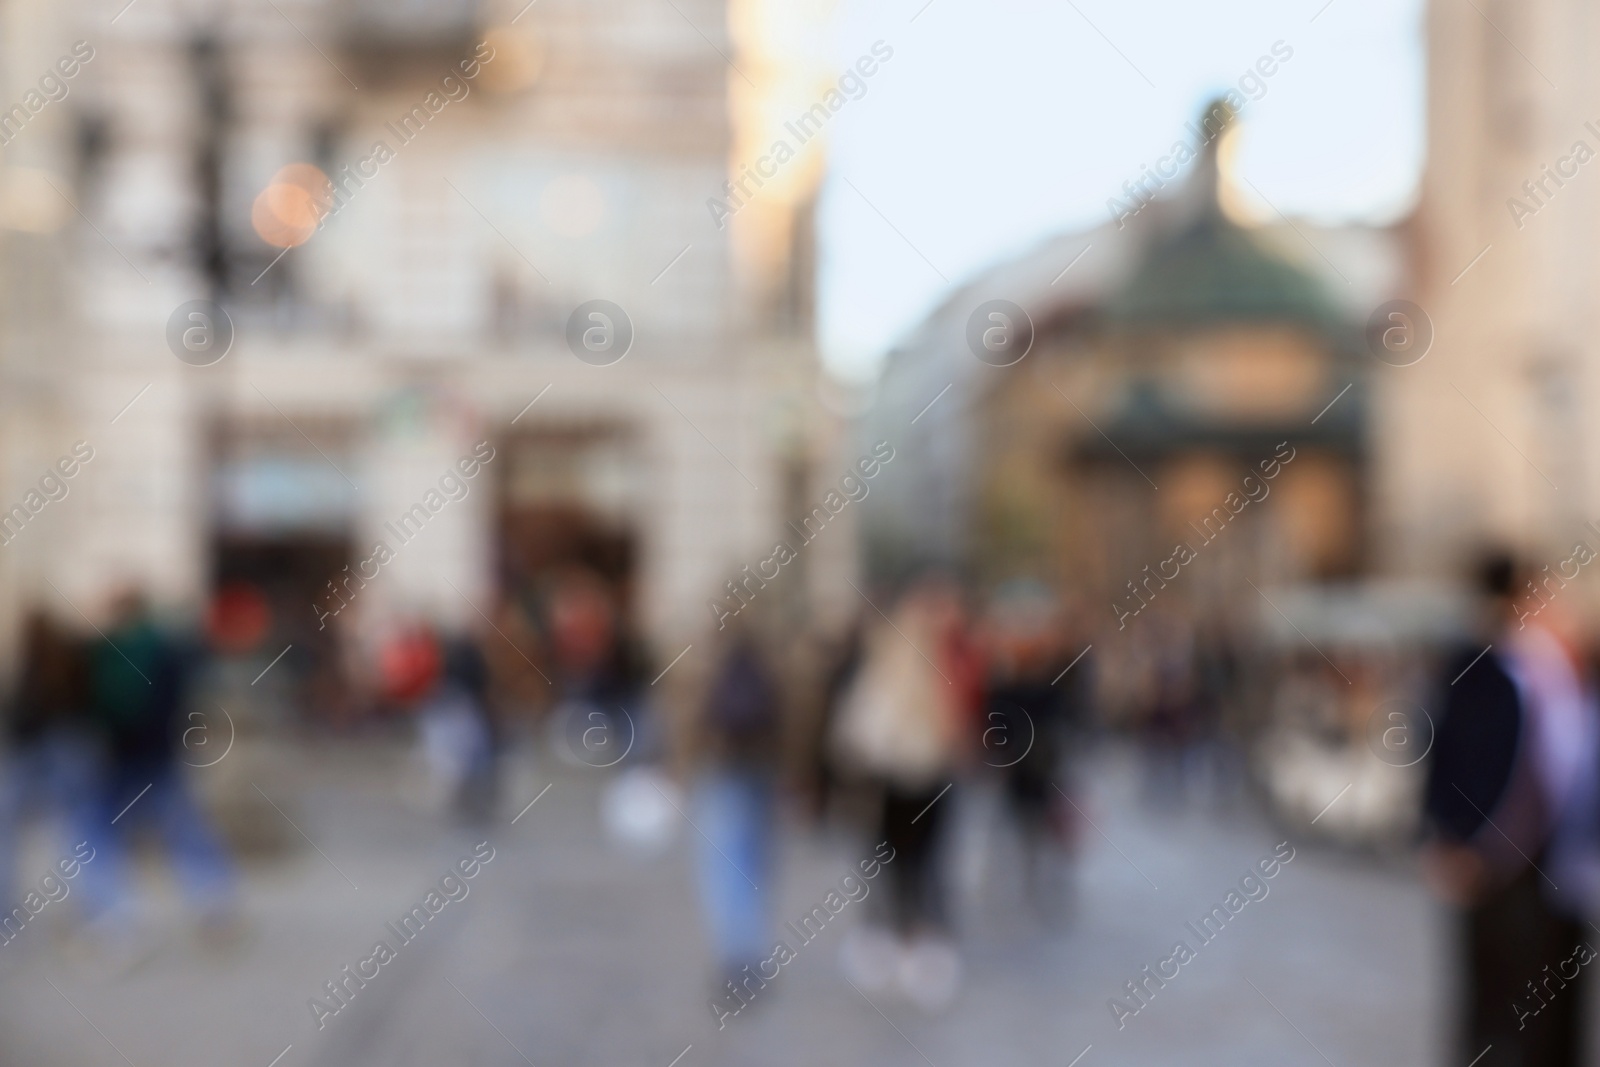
(1207, 269)
(1215, 271)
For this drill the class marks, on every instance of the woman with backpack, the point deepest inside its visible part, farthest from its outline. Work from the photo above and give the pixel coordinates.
(735, 802)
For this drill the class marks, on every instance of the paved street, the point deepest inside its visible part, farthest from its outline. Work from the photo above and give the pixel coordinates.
(568, 951)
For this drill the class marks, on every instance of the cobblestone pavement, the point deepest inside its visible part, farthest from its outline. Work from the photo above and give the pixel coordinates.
(569, 951)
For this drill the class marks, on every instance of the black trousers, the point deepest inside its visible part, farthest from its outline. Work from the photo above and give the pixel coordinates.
(913, 830)
(1510, 939)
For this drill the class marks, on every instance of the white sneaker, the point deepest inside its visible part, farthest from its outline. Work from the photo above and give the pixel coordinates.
(869, 957)
(930, 974)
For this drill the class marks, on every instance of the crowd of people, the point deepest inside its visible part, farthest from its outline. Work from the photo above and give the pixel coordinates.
(931, 699)
(927, 697)
(929, 691)
(94, 732)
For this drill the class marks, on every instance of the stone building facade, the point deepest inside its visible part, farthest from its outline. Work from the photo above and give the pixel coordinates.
(476, 211)
(1488, 436)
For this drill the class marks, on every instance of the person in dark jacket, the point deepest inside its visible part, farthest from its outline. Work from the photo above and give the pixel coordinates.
(1030, 712)
(138, 679)
(736, 801)
(1510, 778)
(460, 736)
(48, 761)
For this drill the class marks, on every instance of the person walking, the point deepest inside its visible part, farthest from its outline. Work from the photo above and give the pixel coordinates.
(735, 801)
(456, 726)
(1028, 722)
(138, 686)
(48, 759)
(902, 723)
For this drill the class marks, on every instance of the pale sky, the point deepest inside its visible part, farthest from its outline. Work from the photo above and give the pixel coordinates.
(999, 123)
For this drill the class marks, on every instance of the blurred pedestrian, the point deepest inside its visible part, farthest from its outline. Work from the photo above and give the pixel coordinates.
(820, 775)
(1218, 750)
(1510, 802)
(1171, 722)
(735, 801)
(603, 716)
(601, 713)
(902, 723)
(1027, 709)
(48, 761)
(138, 687)
(456, 725)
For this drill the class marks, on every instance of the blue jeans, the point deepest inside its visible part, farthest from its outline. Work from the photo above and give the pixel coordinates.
(202, 866)
(734, 812)
(54, 773)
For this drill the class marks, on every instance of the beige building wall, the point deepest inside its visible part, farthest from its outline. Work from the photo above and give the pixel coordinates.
(584, 176)
(1489, 435)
